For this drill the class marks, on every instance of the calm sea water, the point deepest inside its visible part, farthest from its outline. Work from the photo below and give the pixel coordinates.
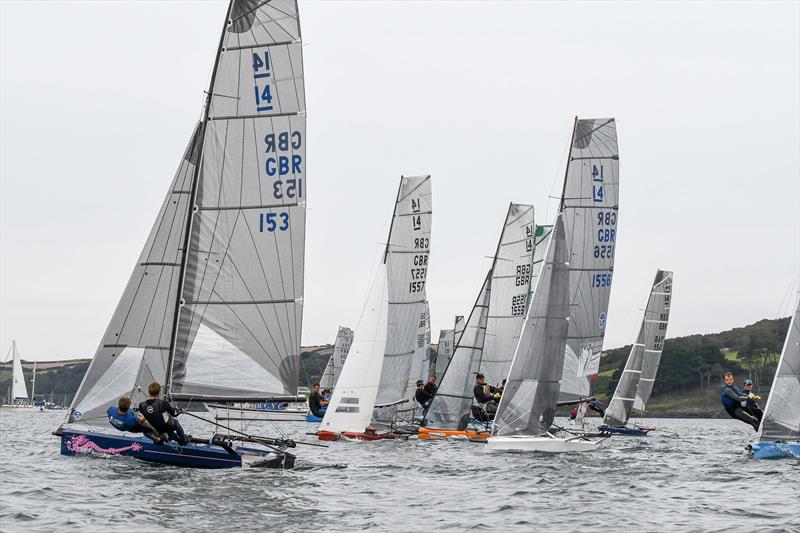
(690, 475)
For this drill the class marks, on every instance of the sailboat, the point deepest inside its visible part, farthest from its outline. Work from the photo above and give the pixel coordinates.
(374, 384)
(341, 347)
(779, 432)
(492, 328)
(213, 308)
(18, 398)
(561, 339)
(636, 382)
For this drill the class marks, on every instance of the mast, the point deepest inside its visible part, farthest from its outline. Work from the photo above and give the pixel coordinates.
(33, 382)
(391, 222)
(566, 170)
(192, 208)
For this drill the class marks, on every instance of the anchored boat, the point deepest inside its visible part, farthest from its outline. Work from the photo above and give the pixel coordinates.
(636, 382)
(373, 389)
(779, 432)
(213, 309)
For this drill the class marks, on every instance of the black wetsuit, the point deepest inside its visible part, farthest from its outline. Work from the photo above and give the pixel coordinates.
(161, 415)
(430, 388)
(423, 397)
(751, 408)
(732, 400)
(488, 401)
(315, 404)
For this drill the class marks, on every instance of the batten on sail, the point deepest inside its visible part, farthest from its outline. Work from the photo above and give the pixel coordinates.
(406, 259)
(636, 382)
(589, 205)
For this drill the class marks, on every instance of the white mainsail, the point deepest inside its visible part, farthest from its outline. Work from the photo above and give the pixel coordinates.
(589, 207)
(350, 409)
(781, 420)
(214, 305)
(344, 338)
(422, 350)
(636, 382)
(406, 260)
(528, 404)
(19, 389)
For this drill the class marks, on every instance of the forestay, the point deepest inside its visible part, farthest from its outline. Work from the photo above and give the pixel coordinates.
(781, 421)
(636, 382)
(357, 388)
(406, 260)
(528, 404)
(240, 323)
(344, 338)
(589, 207)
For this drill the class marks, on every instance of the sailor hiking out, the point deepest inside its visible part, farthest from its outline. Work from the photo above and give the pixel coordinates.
(751, 406)
(733, 399)
(161, 415)
(488, 397)
(124, 419)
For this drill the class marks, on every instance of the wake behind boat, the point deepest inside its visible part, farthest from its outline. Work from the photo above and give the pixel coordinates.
(213, 308)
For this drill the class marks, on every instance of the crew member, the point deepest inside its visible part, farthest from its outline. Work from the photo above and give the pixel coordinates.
(124, 419)
(430, 386)
(733, 399)
(486, 395)
(750, 406)
(596, 406)
(423, 397)
(316, 403)
(161, 415)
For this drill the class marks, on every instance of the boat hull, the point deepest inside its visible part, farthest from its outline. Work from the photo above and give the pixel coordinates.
(775, 450)
(538, 444)
(436, 434)
(74, 442)
(353, 435)
(634, 431)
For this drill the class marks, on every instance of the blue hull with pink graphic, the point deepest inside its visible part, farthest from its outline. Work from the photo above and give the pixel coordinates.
(75, 442)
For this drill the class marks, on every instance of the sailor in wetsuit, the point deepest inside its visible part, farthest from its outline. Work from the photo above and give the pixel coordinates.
(422, 396)
(488, 397)
(121, 417)
(161, 415)
(732, 399)
(750, 406)
(316, 403)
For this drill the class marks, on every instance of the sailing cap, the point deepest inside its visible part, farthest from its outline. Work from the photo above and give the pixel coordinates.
(748, 382)
(479, 376)
(420, 382)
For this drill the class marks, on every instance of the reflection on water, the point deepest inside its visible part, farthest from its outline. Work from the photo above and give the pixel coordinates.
(689, 474)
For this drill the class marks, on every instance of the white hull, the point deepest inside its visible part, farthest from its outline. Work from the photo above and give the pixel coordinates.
(539, 444)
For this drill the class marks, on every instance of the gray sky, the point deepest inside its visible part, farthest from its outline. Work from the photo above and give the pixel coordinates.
(99, 99)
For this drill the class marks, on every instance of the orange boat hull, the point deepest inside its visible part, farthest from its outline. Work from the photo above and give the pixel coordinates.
(433, 433)
(367, 435)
